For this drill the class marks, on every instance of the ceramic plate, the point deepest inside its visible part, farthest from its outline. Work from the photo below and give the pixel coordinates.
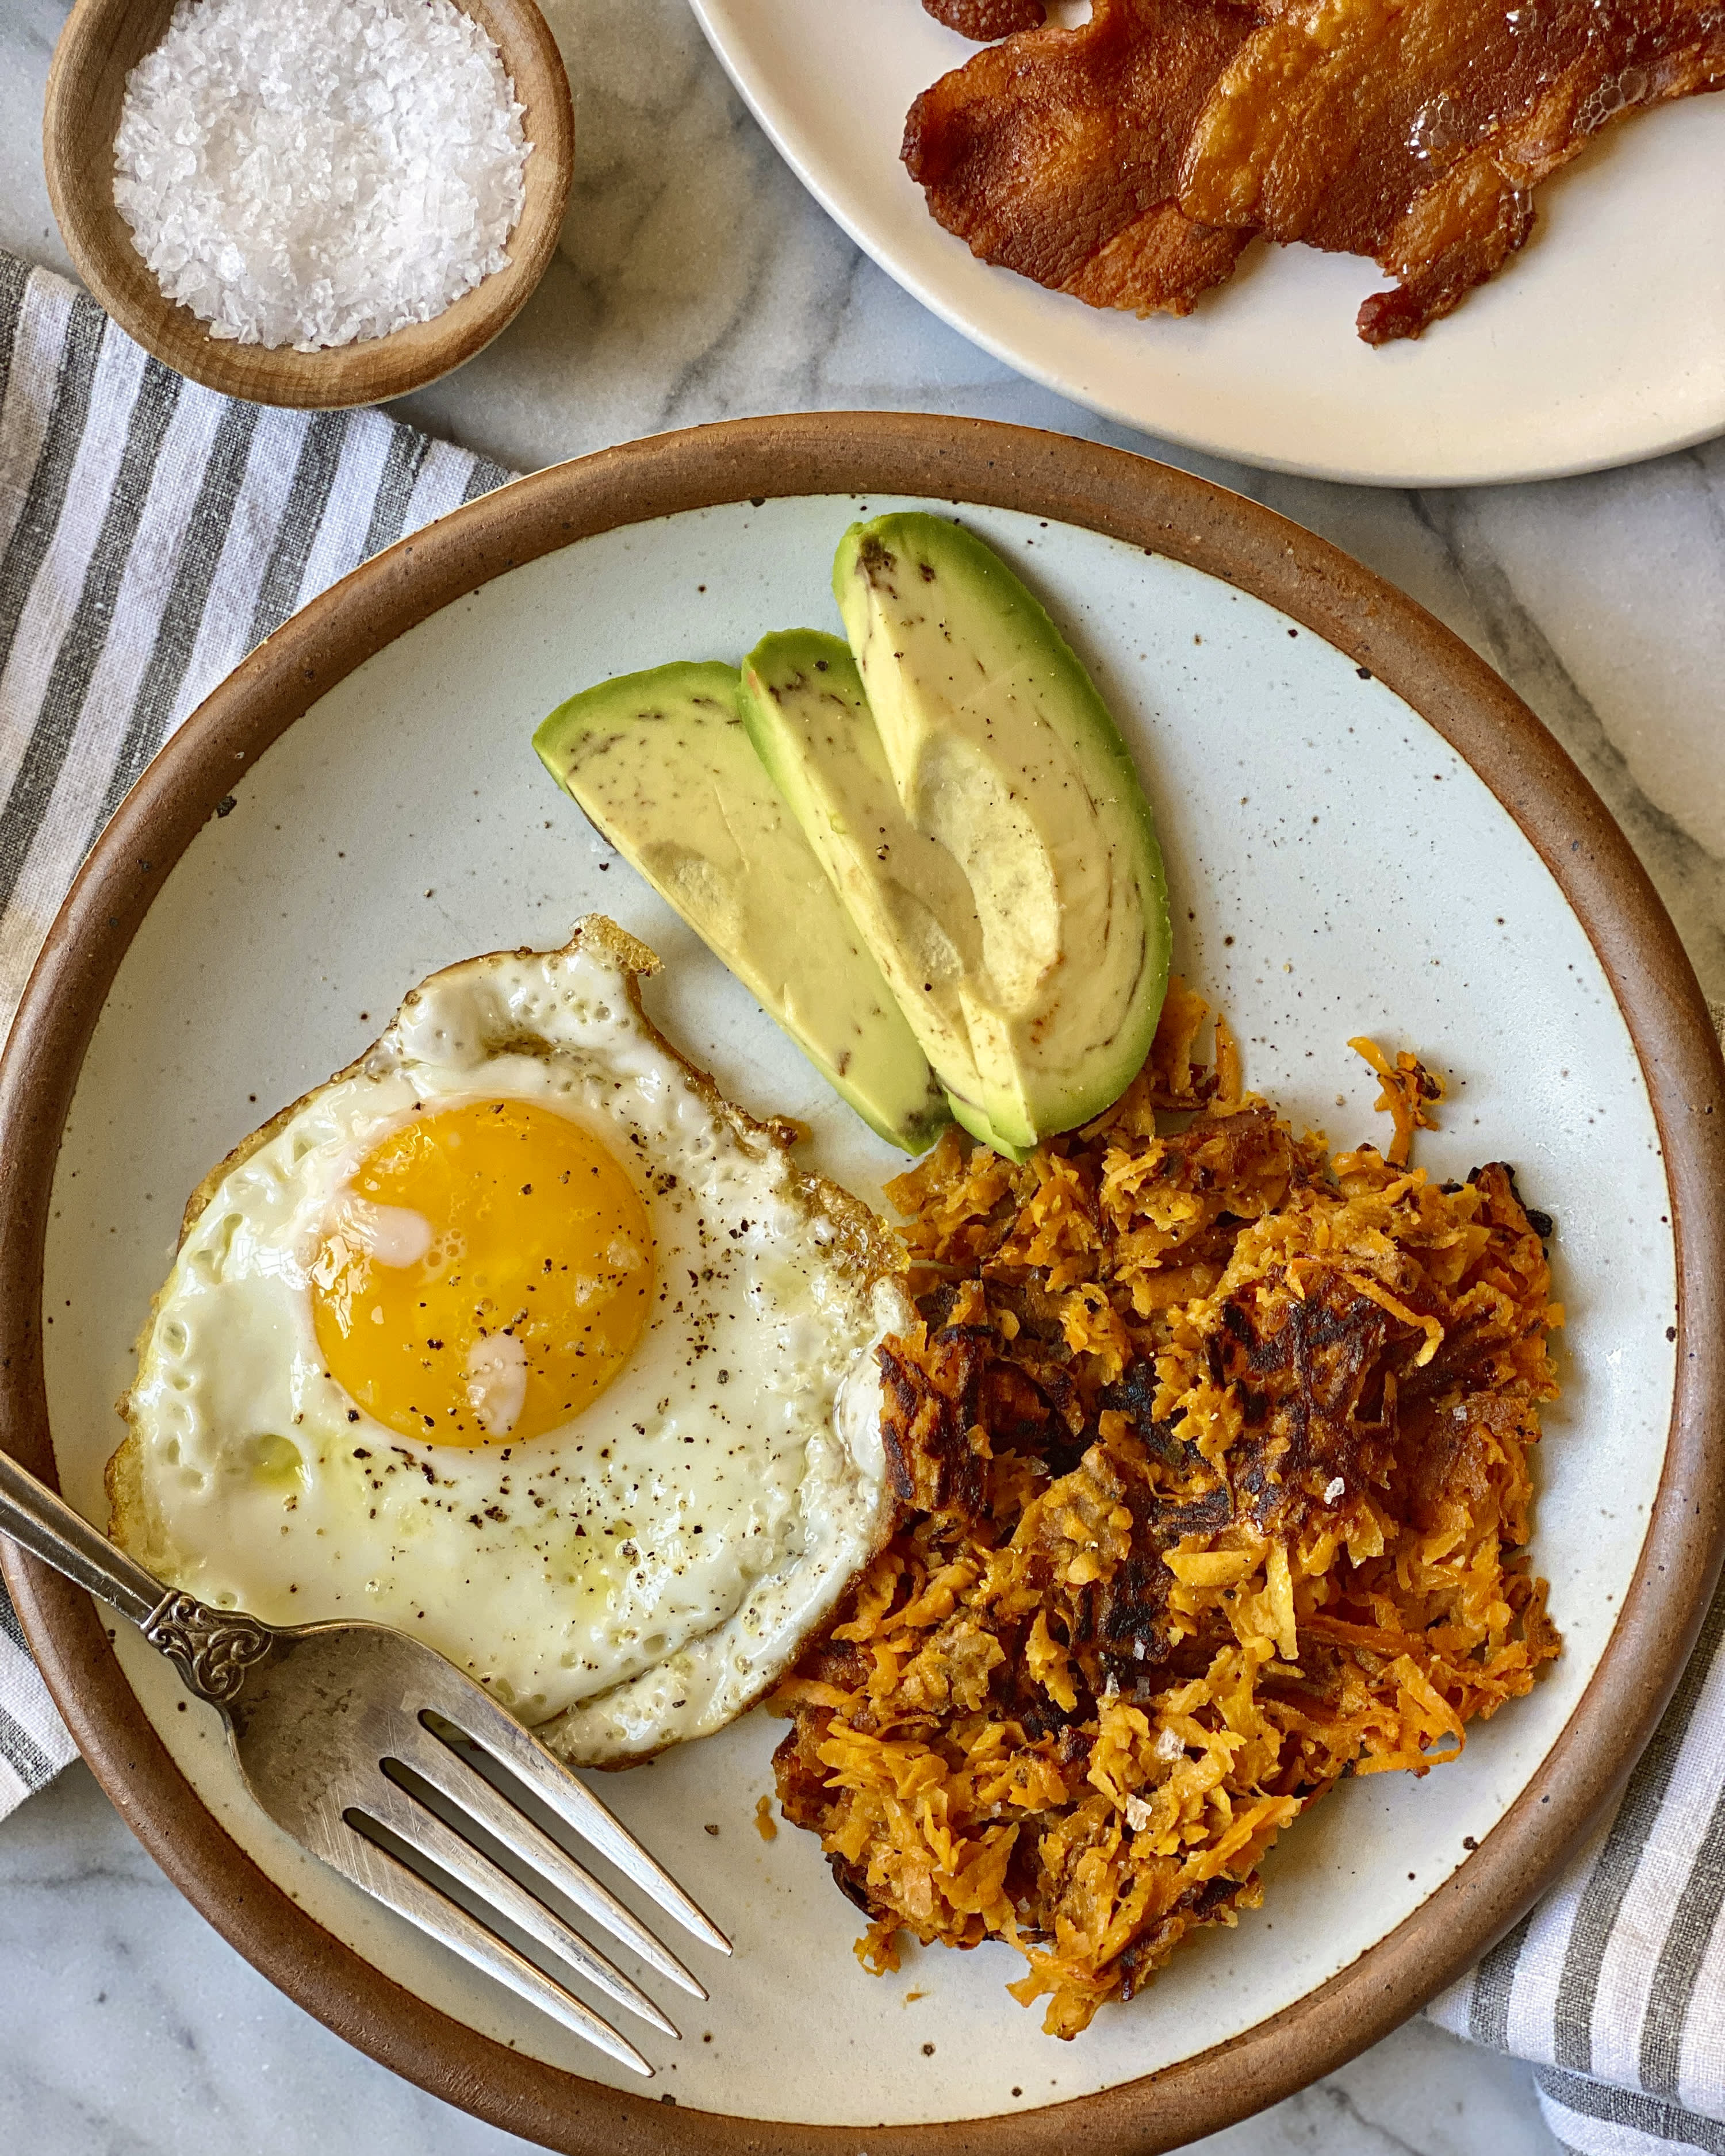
(1364, 831)
(1604, 341)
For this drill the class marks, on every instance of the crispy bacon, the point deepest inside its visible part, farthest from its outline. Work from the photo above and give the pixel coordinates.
(1417, 133)
(1058, 153)
(982, 21)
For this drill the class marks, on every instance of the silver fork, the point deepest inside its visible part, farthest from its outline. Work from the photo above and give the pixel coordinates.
(319, 1714)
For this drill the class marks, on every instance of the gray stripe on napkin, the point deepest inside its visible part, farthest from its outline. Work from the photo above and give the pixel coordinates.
(1680, 1959)
(1493, 1981)
(183, 616)
(395, 490)
(1602, 1899)
(19, 1750)
(315, 475)
(81, 646)
(486, 476)
(23, 1755)
(34, 533)
(13, 277)
(1661, 2123)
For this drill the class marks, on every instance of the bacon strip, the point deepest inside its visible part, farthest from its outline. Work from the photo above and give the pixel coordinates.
(1416, 130)
(982, 21)
(1058, 153)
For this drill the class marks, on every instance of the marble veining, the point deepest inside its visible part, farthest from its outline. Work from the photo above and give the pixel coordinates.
(695, 281)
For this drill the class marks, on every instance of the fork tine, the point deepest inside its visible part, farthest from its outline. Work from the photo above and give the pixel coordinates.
(479, 1718)
(468, 1789)
(395, 1808)
(379, 1872)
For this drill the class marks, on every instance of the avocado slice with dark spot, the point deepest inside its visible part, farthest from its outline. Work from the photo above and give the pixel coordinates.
(1005, 761)
(662, 765)
(803, 706)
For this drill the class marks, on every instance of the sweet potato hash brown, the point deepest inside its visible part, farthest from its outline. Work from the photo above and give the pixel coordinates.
(1212, 1453)
(1128, 159)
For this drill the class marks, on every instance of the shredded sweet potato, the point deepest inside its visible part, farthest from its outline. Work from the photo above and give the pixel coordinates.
(1211, 1451)
(1409, 1093)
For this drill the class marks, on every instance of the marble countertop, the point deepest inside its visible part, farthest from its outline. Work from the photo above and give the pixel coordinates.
(695, 281)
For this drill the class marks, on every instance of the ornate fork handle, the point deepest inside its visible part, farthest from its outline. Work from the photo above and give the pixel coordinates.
(213, 1649)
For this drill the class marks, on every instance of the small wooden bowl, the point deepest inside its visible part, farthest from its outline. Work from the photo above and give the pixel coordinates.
(101, 44)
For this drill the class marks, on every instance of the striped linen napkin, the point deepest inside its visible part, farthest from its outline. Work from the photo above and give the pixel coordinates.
(153, 533)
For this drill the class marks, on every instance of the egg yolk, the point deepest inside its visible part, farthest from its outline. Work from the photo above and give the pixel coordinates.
(484, 1276)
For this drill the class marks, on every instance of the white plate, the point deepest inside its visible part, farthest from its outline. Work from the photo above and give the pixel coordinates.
(1603, 341)
(1336, 867)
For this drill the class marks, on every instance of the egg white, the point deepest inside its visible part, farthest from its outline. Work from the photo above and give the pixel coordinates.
(641, 1574)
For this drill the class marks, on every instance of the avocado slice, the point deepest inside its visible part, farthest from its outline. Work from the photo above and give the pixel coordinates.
(1003, 753)
(803, 706)
(662, 764)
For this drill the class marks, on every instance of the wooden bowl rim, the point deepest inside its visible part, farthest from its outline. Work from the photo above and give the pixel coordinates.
(371, 372)
(1166, 512)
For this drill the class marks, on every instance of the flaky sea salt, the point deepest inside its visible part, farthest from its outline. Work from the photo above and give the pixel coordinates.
(309, 172)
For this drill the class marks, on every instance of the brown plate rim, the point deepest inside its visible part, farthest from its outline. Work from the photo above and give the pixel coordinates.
(1164, 512)
(103, 39)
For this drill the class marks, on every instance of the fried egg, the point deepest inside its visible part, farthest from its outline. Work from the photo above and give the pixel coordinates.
(517, 1336)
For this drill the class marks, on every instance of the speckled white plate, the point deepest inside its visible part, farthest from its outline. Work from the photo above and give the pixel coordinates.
(1337, 864)
(1603, 341)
